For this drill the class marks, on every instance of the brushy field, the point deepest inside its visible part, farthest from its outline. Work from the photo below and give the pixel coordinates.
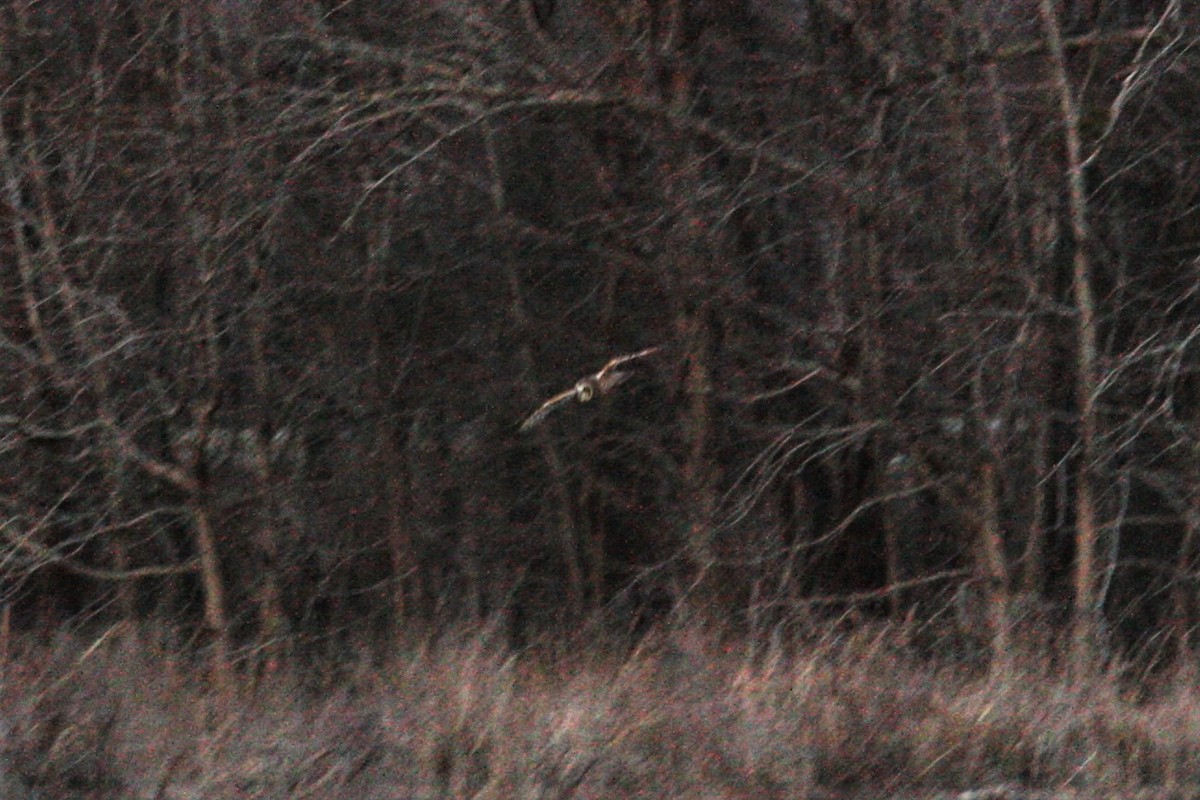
(121, 714)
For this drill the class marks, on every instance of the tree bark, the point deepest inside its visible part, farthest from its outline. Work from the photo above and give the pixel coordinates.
(994, 570)
(1086, 531)
(699, 491)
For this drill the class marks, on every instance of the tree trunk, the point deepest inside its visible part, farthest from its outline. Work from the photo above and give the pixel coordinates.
(215, 615)
(272, 622)
(699, 492)
(994, 571)
(568, 528)
(873, 358)
(1086, 350)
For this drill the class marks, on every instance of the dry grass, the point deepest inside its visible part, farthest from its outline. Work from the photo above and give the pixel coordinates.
(685, 715)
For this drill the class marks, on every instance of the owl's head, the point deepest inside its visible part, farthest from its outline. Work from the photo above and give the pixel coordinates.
(585, 390)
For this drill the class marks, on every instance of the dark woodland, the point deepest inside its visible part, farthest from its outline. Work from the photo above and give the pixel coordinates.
(280, 282)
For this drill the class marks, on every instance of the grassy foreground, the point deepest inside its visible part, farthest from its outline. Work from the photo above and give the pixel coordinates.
(123, 716)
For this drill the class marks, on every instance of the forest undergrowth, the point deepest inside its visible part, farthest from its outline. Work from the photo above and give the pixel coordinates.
(684, 713)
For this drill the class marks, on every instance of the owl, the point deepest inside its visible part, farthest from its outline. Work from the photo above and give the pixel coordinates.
(588, 387)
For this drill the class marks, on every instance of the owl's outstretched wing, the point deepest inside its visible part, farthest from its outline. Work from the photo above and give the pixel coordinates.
(607, 381)
(619, 360)
(546, 408)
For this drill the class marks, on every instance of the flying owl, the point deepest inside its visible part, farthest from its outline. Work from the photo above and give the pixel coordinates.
(586, 388)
